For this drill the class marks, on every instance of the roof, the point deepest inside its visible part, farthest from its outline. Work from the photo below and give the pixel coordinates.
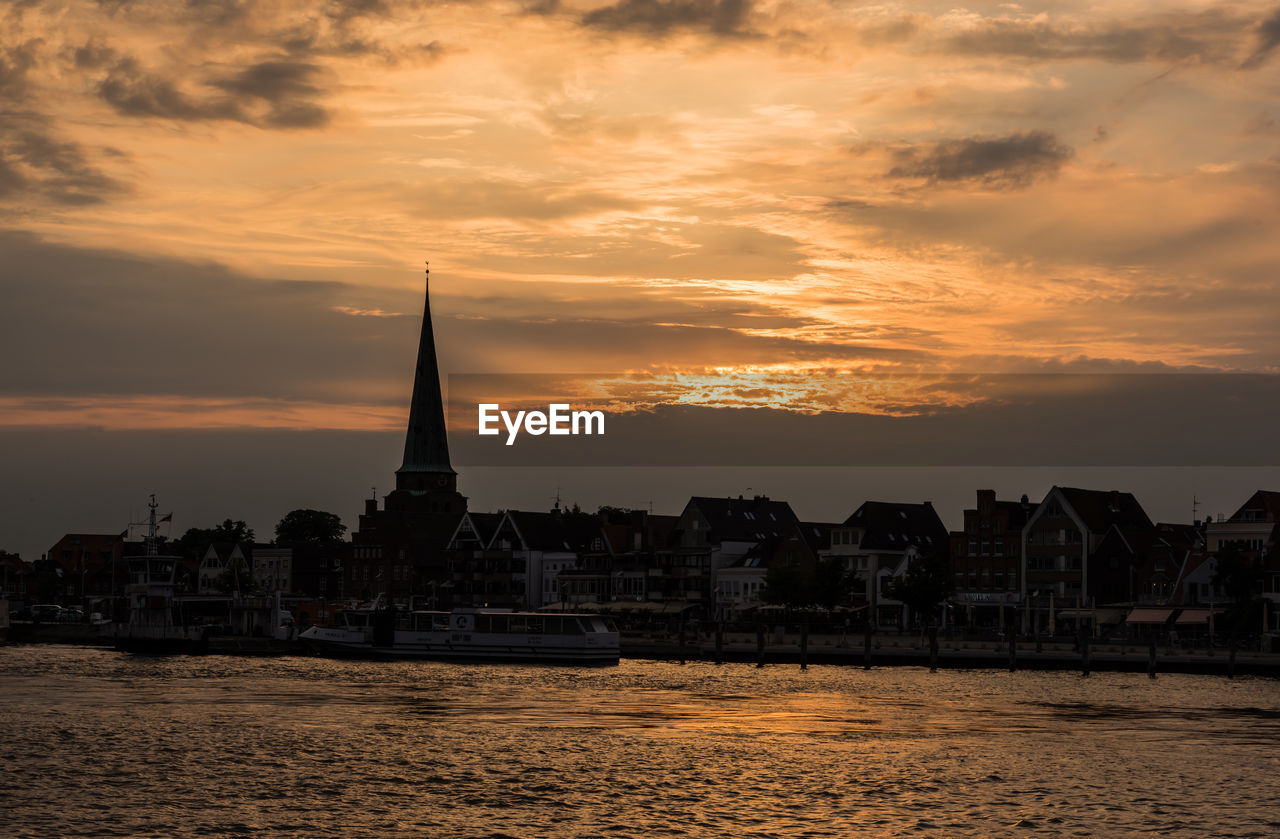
(555, 531)
(744, 519)
(1100, 509)
(816, 534)
(1263, 505)
(889, 526)
(426, 445)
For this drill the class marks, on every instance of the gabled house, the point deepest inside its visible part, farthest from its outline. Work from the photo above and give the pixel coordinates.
(1061, 536)
(714, 534)
(538, 547)
(218, 558)
(741, 584)
(878, 541)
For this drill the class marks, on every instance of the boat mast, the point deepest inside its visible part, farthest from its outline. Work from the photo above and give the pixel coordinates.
(152, 548)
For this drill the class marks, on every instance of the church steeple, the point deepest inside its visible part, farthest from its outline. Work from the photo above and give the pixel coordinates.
(426, 445)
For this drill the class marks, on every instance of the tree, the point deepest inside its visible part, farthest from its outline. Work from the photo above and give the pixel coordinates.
(833, 584)
(197, 540)
(1240, 578)
(1237, 575)
(614, 515)
(314, 526)
(787, 584)
(925, 584)
(826, 584)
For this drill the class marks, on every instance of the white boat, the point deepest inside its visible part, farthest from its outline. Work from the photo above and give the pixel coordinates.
(156, 623)
(469, 634)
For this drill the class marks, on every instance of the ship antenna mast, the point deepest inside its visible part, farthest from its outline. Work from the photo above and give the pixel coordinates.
(152, 548)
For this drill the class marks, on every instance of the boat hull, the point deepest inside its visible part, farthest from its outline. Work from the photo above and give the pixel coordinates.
(346, 644)
(158, 641)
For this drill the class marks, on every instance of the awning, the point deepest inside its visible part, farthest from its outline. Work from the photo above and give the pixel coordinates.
(1149, 616)
(631, 606)
(1104, 614)
(1192, 616)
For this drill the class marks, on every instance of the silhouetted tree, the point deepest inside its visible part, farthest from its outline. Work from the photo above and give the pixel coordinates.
(310, 526)
(832, 584)
(787, 584)
(197, 540)
(1237, 575)
(826, 584)
(923, 587)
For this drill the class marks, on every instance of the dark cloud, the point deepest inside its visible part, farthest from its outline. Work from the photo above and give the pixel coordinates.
(1211, 36)
(658, 18)
(140, 326)
(33, 161)
(276, 93)
(288, 89)
(15, 64)
(135, 92)
(59, 170)
(1268, 39)
(94, 55)
(1009, 162)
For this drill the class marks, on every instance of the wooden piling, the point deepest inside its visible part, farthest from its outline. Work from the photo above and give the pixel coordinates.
(933, 649)
(1151, 658)
(804, 646)
(719, 643)
(683, 643)
(1084, 653)
(866, 649)
(1013, 649)
(760, 645)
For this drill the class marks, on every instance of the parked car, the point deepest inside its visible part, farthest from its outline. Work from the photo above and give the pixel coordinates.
(46, 612)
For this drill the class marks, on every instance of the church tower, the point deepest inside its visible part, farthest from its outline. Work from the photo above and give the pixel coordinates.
(425, 482)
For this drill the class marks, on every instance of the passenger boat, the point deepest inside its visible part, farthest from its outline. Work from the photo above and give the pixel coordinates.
(156, 623)
(469, 634)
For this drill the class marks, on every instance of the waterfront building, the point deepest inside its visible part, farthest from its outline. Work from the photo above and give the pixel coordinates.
(1254, 529)
(1058, 542)
(15, 580)
(986, 560)
(878, 542)
(712, 534)
(740, 586)
(84, 565)
(220, 561)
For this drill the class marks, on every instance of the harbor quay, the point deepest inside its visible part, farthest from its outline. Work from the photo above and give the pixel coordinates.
(800, 645)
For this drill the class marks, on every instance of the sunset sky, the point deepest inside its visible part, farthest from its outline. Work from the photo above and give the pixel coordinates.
(214, 214)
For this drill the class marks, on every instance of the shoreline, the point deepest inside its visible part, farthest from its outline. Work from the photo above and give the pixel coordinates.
(886, 651)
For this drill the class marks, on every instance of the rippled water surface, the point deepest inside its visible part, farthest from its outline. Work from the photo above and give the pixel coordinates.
(99, 743)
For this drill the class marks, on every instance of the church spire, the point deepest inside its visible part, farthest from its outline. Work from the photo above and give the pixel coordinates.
(426, 446)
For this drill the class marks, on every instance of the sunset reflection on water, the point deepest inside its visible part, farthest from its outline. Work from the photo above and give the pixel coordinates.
(104, 744)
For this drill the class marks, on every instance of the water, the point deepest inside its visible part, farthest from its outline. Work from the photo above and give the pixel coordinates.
(99, 743)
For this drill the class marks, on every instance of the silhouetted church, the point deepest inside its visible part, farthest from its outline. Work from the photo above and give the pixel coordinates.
(400, 549)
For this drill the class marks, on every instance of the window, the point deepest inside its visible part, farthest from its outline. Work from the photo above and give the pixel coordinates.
(973, 547)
